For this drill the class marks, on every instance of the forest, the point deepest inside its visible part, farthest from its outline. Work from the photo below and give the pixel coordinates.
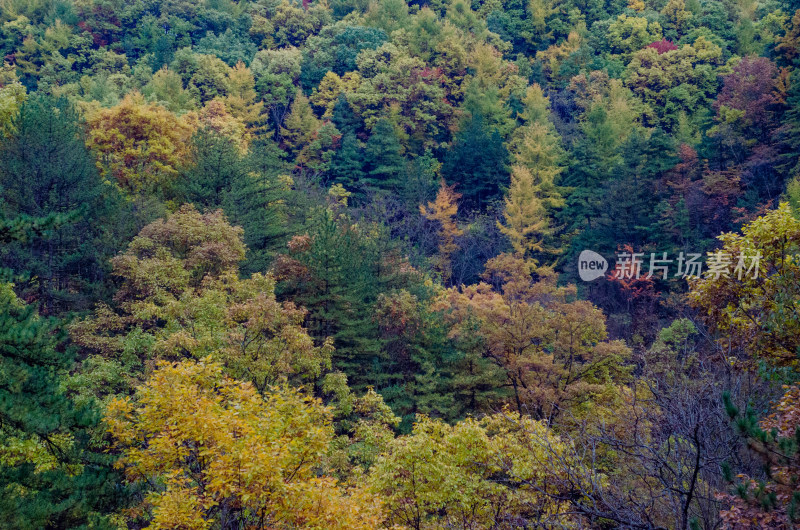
(399, 264)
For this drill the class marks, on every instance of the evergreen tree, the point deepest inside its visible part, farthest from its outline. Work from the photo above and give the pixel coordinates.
(347, 167)
(383, 161)
(256, 202)
(46, 169)
(341, 275)
(343, 116)
(477, 163)
(50, 477)
(217, 164)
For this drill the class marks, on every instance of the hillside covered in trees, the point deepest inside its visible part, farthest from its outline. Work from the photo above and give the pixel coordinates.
(442, 264)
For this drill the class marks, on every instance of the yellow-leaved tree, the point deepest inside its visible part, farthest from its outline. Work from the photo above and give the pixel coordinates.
(526, 221)
(139, 145)
(497, 472)
(444, 210)
(180, 296)
(534, 194)
(210, 451)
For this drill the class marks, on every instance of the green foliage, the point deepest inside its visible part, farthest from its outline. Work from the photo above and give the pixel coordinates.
(45, 170)
(337, 272)
(335, 50)
(350, 163)
(477, 163)
(383, 163)
(347, 165)
(50, 475)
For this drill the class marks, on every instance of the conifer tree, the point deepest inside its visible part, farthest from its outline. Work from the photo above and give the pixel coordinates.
(525, 216)
(242, 97)
(476, 163)
(50, 477)
(444, 210)
(337, 272)
(46, 169)
(383, 161)
(256, 202)
(347, 167)
(343, 116)
(299, 126)
(537, 146)
(217, 164)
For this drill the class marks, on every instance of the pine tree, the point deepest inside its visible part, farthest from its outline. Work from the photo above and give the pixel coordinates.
(256, 202)
(347, 167)
(383, 160)
(50, 476)
(476, 163)
(341, 274)
(217, 164)
(344, 118)
(46, 169)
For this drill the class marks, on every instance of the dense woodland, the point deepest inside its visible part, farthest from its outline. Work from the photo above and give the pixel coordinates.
(314, 264)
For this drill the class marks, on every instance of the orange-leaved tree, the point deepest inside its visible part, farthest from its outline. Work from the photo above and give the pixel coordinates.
(553, 348)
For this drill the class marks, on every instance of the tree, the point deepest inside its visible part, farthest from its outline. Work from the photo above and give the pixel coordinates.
(217, 164)
(180, 296)
(12, 95)
(677, 18)
(629, 34)
(50, 474)
(534, 194)
(343, 116)
(432, 374)
(526, 221)
(772, 502)
(555, 351)
(166, 89)
(406, 89)
(232, 46)
(300, 125)
(241, 100)
(676, 81)
(277, 73)
(337, 271)
(476, 163)
(46, 169)
(220, 452)
(383, 162)
(139, 146)
(744, 106)
(347, 166)
(256, 201)
(443, 210)
(537, 146)
(747, 296)
(335, 50)
(442, 475)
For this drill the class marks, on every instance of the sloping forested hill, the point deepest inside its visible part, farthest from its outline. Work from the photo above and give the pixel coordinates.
(390, 264)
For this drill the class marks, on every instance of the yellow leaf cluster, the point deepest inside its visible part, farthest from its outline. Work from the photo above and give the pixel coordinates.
(214, 449)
